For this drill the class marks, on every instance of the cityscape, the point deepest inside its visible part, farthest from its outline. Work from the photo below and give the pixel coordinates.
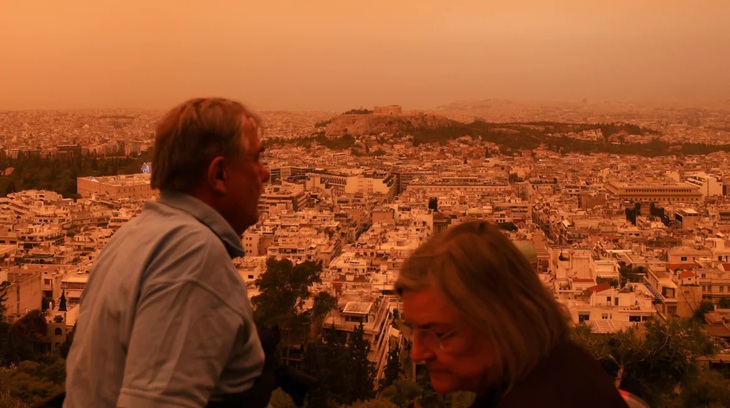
(620, 239)
(617, 194)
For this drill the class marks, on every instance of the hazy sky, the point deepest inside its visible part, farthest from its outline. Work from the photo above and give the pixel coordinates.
(336, 55)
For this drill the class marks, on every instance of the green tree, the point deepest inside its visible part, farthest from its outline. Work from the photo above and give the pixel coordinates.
(33, 382)
(323, 303)
(724, 303)
(10, 188)
(7, 347)
(280, 399)
(392, 371)
(3, 299)
(284, 289)
(30, 335)
(653, 361)
(705, 306)
(401, 392)
(708, 388)
(65, 347)
(344, 372)
(373, 403)
(327, 358)
(362, 376)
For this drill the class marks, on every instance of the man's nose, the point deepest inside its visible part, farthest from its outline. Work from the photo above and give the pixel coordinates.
(265, 174)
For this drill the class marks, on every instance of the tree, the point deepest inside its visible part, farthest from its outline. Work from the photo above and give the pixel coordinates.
(392, 371)
(724, 303)
(10, 188)
(7, 347)
(328, 359)
(708, 388)
(374, 403)
(33, 382)
(653, 361)
(30, 335)
(401, 392)
(362, 375)
(285, 288)
(429, 396)
(345, 374)
(705, 306)
(3, 299)
(65, 347)
(321, 306)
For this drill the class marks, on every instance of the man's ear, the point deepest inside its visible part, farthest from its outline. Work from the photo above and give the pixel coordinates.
(217, 174)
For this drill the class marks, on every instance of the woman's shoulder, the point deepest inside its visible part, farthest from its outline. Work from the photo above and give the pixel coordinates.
(569, 377)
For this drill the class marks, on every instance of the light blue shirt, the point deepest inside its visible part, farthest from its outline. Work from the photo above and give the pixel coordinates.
(165, 319)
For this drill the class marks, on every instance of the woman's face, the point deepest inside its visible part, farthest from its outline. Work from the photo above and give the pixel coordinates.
(457, 356)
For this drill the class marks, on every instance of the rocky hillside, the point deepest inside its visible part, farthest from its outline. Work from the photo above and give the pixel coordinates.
(368, 124)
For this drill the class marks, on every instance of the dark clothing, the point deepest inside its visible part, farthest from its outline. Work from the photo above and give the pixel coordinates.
(570, 377)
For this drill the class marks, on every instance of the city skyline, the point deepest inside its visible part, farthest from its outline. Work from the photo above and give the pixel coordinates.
(334, 56)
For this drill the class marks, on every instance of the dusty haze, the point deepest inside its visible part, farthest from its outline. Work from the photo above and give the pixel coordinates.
(336, 55)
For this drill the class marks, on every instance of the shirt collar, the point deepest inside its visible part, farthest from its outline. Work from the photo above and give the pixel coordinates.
(206, 215)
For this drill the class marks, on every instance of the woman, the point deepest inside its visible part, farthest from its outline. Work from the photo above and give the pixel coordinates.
(482, 321)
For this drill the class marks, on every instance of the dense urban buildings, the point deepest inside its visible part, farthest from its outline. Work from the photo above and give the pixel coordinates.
(620, 239)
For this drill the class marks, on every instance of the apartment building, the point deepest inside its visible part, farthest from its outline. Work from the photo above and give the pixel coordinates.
(23, 291)
(708, 184)
(370, 310)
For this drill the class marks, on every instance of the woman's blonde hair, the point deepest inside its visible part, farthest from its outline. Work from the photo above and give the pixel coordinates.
(491, 284)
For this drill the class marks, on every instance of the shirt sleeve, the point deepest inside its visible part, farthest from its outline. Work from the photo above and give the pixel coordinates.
(182, 338)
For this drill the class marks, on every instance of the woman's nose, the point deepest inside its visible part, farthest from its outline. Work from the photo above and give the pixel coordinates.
(419, 352)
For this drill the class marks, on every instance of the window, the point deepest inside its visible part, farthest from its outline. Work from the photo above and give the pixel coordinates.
(604, 316)
(583, 317)
(608, 299)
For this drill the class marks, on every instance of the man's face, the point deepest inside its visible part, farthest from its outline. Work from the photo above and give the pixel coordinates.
(245, 180)
(456, 355)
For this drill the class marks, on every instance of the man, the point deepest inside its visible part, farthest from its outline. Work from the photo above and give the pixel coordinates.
(165, 319)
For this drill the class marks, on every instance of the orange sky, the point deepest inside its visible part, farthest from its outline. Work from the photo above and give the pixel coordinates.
(337, 55)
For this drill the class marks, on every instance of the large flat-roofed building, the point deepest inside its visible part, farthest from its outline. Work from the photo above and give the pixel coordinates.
(345, 181)
(655, 192)
(121, 186)
(466, 185)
